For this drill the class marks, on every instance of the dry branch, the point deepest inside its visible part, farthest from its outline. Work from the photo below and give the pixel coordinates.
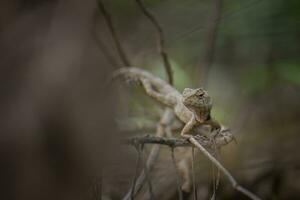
(194, 176)
(178, 179)
(210, 38)
(174, 142)
(146, 171)
(114, 34)
(164, 122)
(161, 40)
(171, 142)
(132, 191)
(178, 142)
(232, 180)
(168, 114)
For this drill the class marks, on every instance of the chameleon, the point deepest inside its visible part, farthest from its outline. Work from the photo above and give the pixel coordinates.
(192, 106)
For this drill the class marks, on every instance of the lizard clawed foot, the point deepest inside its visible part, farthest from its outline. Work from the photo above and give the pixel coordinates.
(186, 136)
(200, 137)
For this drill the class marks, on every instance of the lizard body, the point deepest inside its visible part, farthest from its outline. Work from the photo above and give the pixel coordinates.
(192, 107)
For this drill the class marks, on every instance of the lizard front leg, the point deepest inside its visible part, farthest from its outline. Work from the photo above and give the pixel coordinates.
(162, 98)
(185, 132)
(215, 127)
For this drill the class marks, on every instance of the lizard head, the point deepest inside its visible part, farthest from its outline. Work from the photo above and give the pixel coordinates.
(198, 101)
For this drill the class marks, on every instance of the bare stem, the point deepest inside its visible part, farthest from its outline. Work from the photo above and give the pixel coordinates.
(114, 34)
(135, 174)
(103, 48)
(146, 171)
(154, 153)
(232, 180)
(210, 38)
(161, 40)
(177, 175)
(193, 175)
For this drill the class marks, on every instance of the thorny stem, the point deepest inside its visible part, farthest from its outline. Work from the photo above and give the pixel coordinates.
(161, 40)
(178, 179)
(114, 34)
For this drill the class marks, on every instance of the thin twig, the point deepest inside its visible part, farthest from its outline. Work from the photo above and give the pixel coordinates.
(178, 179)
(96, 188)
(232, 180)
(210, 38)
(161, 40)
(193, 175)
(168, 115)
(146, 171)
(141, 179)
(213, 197)
(226, 16)
(103, 48)
(165, 120)
(216, 178)
(114, 34)
(135, 174)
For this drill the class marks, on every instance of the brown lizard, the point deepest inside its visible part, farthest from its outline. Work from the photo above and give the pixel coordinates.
(192, 107)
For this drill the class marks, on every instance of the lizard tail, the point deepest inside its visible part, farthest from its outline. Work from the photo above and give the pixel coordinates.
(154, 86)
(136, 75)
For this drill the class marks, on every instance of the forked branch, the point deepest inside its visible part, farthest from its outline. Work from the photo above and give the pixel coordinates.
(172, 142)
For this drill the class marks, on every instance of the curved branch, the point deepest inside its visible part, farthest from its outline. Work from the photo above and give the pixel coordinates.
(114, 34)
(161, 40)
(210, 38)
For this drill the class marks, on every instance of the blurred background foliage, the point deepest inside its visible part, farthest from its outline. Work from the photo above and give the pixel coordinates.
(254, 77)
(56, 56)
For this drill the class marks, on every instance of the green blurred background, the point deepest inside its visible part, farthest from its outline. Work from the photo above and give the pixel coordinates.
(254, 79)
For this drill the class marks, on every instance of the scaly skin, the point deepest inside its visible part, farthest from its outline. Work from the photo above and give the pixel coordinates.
(199, 103)
(192, 107)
